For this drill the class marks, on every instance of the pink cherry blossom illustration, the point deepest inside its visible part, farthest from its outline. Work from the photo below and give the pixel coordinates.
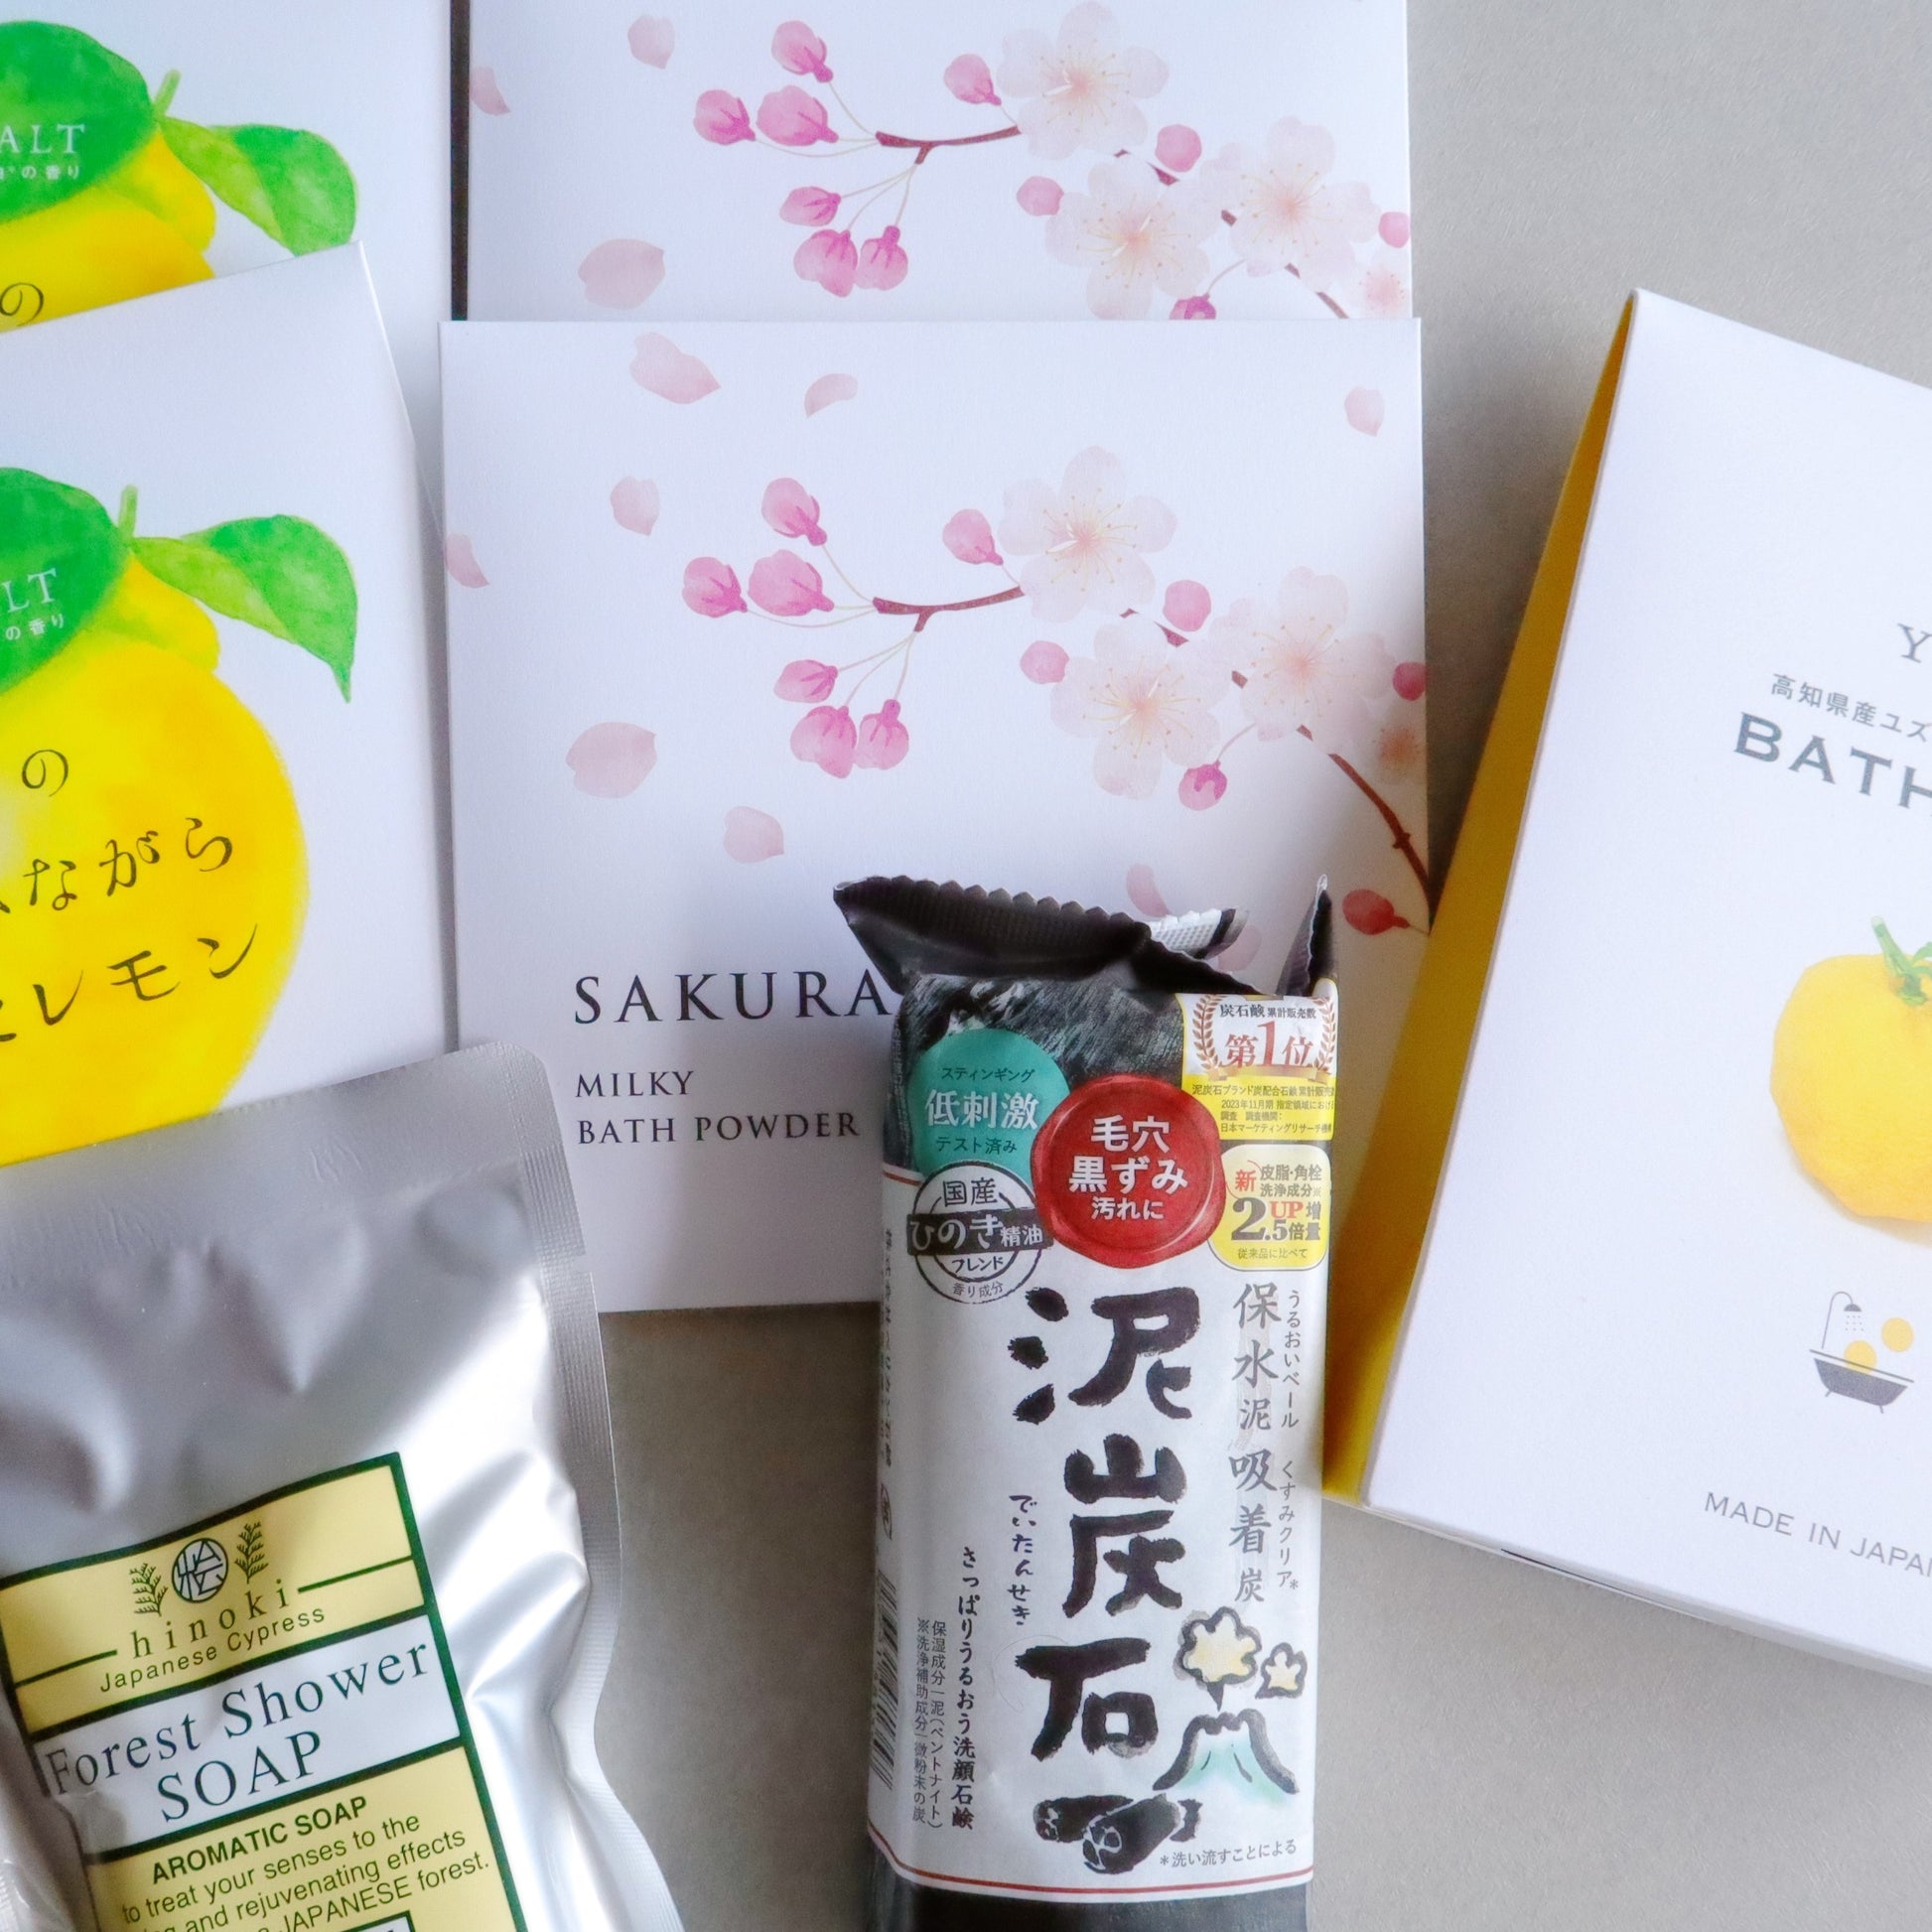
(1301, 673)
(1400, 753)
(1394, 228)
(1081, 90)
(752, 836)
(786, 586)
(1203, 786)
(612, 760)
(665, 370)
(1364, 410)
(970, 80)
(883, 739)
(1147, 701)
(484, 92)
(1176, 148)
(1134, 234)
(621, 274)
(829, 389)
(1369, 912)
(827, 738)
(634, 504)
(969, 536)
(1287, 213)
(712, 588)
(1411, 680)
(828, 258)
(1085, 540)
(1192, 308)
(723, 119)
(806, 681)
(1044, 661)
(652, 40)
(1144, 894)
(798, 49)
(794, 119)
(791, 511)
(460, 560)
(1188, 605)
(881, 262)
(1041, 195)
(1377, 290)
(809, 208)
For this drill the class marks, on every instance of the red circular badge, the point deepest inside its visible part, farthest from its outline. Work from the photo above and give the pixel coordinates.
(1127, 1171)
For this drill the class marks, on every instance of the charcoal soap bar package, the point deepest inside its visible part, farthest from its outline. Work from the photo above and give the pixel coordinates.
(1107, 1207)
(308, 1534)
(1636, 1283)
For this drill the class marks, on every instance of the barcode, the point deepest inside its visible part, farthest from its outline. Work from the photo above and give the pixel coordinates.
(884, 1684)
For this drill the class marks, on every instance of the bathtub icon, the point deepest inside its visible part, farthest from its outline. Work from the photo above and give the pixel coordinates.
(1853, 1369)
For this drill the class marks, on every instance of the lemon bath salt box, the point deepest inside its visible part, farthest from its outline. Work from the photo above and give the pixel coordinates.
(1637, 1281)
(220, 877)
(147, 148)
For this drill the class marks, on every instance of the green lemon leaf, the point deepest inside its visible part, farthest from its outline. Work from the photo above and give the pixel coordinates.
(70, 113)
(59, 557)
(292, 185)
(277, 573)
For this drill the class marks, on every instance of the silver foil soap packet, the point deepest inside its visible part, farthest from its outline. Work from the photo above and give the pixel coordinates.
(308, 1525)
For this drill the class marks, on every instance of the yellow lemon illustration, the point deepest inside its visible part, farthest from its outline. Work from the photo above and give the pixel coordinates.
(105, 195)
(1851, 1076)
(153, 879)
(1861, 1354)
(1896, 1334)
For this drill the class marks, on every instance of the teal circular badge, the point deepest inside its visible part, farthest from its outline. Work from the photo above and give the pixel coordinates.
(982, 1095)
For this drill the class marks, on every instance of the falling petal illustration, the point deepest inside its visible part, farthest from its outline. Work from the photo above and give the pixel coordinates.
(1188, 605)
(1041, 195)
(652, 40)
(1144, 894)
(1411, 680)
(1176, 148)
(634, 504)
(484, 92)
(1239, 952)
(752, 835)
(460, 558)
(1044, 661)
(612, 760)
(621, 274)
(829, 389)
(665, 370)
(1364, 410)
(1394, 228)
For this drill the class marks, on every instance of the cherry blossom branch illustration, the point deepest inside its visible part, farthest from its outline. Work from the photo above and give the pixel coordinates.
(1149, 694)
(1143, 222)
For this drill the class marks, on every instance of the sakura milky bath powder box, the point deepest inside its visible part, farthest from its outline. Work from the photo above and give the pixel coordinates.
(1637, 1285)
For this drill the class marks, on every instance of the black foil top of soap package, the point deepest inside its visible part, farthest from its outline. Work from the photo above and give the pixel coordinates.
(1107, 1208)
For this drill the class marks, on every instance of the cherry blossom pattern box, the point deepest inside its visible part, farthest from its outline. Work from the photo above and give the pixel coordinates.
(742, 610)
(1031, 159)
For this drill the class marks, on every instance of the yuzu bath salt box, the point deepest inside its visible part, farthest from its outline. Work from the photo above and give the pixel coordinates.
(1636, 1285)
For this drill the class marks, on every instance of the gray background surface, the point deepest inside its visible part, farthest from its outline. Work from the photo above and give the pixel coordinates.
(1500, 1746)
